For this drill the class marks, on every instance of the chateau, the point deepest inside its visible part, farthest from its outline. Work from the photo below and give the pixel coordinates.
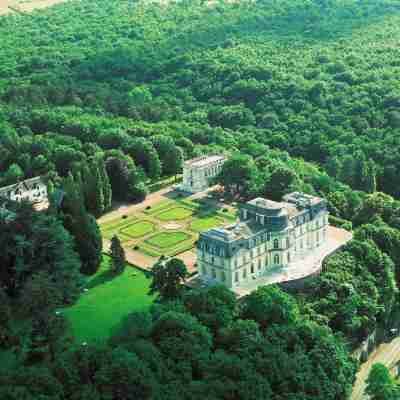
(198, 172)
(33, 190)
(269, 236)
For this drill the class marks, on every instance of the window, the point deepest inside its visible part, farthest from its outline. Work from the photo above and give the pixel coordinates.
(223, 277)
(259, 265)
(287, 242)
(288, 256)
(214, 274)
(212, 260)
(244, 273)
(236, 277)
(236, 262)
(276, 244)
(276, 259)
(252, 268)
(266, 261)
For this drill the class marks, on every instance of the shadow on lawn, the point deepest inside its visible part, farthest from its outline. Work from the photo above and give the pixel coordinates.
(104, 277)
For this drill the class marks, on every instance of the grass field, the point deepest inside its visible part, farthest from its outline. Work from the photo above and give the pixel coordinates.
(167, 239)
(175, 214)
(138, 229)
(202, 224)
(108, 300)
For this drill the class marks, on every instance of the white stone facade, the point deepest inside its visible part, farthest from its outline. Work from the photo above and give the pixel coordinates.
(269, 237)
(198, 172)
(33, 190)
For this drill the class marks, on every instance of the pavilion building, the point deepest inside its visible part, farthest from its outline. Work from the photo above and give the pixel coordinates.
(199, 172)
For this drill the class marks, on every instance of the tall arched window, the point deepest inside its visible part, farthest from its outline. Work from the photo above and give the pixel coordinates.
(276, 259)
(276, 244)
(252, 268)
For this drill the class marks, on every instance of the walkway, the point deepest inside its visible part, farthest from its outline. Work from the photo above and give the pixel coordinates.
(387, 354)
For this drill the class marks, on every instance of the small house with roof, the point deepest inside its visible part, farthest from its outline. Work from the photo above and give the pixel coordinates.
(33, 190)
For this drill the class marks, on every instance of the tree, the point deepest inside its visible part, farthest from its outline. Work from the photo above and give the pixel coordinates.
(380, 385)
(118, 261)
(238, 175)
(82, 226)
(43, 236)
(213, 306)
(40, 295)
(167, 278)
(5, 318)
(124, 376)
(269, 305)
(144, 154)
(281, 181)
(118, 173)
(13, 175)
(171, 156)
(126, 180)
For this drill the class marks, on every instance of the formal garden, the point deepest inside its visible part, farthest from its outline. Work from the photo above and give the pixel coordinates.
(169, 227)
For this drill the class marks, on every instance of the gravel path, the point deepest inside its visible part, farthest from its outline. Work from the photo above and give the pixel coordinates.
(25, 6)
(387, 354)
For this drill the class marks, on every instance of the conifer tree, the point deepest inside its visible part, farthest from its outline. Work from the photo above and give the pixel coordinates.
(106, 185)
(118, 261)
(82, 226)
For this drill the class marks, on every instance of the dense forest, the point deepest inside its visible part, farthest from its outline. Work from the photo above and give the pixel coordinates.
(107, 98)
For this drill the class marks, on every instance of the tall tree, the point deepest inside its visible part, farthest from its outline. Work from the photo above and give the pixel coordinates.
(118, 261)
(171, 156)
(83, 227)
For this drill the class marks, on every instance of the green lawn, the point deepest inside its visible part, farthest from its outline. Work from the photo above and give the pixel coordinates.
(117, 223)
(108, 300)
(138, 229)
(202, 224)
(173, 214)
(164, 240)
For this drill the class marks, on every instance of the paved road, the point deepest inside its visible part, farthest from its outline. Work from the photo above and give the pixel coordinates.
(26, 6)
(387, 354)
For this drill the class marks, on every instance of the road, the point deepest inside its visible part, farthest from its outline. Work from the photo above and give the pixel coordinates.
(26, 6)
(387, 354)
